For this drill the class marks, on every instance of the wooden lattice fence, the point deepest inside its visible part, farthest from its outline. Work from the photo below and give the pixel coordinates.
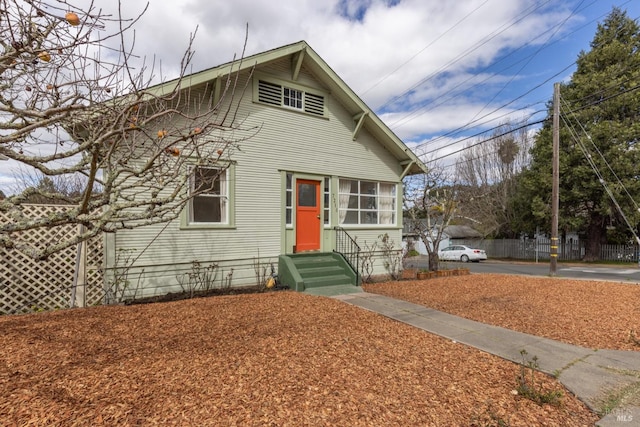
(27, 285)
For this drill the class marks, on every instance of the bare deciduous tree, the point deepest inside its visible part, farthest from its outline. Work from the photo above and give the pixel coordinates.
(487, 172)
(38, 186)
(430, 203)
(72, 104)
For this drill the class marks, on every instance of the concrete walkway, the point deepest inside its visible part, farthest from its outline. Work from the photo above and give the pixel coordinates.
(592, 375)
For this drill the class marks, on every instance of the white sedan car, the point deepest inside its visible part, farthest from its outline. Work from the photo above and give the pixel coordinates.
(462, 253)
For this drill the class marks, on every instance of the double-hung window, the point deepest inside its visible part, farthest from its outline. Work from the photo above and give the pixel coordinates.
(366, 202)
(209, 204)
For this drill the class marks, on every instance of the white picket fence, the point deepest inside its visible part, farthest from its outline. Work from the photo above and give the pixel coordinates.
(27, 285)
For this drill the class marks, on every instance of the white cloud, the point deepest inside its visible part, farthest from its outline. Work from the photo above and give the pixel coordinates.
(443, 52)
(381, 49)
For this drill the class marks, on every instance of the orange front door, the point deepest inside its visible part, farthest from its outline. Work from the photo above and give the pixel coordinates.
(308, 223)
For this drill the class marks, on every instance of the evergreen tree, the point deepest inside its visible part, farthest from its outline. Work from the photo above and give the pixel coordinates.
(600, 114)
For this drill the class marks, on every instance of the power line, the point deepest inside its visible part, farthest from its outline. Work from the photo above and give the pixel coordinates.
(481, 43)
(530, 58)
(600, 177)
(442, 101)
(521, 127)
(475, 135)
(496, 62)
(580, 108)
(569, 111)
(513, 100)
(487, 140)
(468, 159)
(423, 49)
(597, 150)
(506, 104)
(601, 100)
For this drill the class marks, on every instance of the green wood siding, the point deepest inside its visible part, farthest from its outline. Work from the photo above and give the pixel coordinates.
(287, 141)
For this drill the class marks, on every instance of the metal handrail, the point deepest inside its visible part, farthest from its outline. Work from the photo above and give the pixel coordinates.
(349, 249)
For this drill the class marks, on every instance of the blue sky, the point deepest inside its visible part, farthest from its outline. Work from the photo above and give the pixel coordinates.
(427, 67)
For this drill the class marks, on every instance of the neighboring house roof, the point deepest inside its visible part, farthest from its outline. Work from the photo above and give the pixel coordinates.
(302, 53)
(462, 232)
(452, 231)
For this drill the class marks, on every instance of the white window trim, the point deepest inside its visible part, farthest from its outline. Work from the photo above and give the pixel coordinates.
(326, 207)
(187, 222)
(287, 99)
(289, 190)
(344, 195)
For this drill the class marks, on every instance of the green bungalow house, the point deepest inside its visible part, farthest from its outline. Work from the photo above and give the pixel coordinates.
(322, 172)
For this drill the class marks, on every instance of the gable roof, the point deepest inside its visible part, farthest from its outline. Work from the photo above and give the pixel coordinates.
(301, 53)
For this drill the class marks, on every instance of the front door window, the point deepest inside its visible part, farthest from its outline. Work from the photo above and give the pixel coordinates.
(308, 215)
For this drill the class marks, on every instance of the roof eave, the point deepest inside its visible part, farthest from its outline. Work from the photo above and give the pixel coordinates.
(323, 71)
(223, 70)
(359, 109)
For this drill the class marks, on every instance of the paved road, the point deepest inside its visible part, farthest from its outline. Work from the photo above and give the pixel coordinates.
(628, 273)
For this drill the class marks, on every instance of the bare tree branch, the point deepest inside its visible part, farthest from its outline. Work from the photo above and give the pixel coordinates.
(430, 204)
(71, 105)
(488, 175)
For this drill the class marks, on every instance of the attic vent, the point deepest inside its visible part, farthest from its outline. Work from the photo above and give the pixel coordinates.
(269, 93)
(314, 104)
(297, 99)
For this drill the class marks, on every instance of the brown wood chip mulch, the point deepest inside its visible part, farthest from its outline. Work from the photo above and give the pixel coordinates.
(592, 314)
(288, 359)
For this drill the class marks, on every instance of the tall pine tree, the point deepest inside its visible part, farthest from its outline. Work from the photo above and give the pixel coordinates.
(600, 113)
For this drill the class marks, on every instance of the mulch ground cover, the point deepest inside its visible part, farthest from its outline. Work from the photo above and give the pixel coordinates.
(263, 359)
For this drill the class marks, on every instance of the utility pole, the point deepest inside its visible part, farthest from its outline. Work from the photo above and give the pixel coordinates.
(555, 180)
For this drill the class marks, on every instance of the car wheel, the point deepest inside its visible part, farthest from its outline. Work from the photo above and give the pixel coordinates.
(464, 258)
